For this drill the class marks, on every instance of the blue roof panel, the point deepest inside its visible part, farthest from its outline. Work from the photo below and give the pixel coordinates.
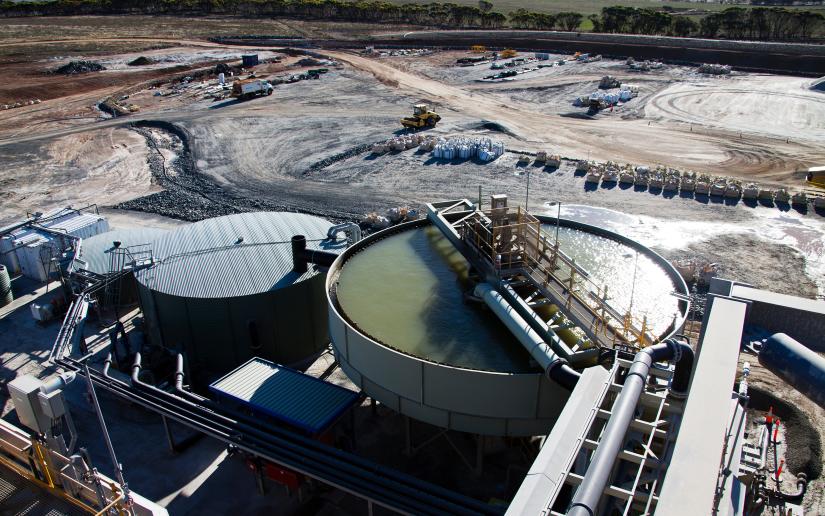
(290, 396)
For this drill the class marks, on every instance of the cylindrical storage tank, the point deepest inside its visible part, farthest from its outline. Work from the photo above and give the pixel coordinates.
(440, 382)
(8, 256)
(403, 331)
(224, 291)
(6, 295)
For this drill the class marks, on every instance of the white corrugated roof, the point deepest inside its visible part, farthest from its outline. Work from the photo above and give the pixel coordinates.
(71, 224)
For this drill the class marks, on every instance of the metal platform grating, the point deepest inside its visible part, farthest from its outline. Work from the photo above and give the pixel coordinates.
(640, 467)
(20, 497)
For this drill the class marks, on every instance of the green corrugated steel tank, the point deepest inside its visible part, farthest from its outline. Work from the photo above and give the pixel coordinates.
(223, 291)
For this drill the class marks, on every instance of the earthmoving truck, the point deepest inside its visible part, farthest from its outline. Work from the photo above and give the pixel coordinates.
(248, 88)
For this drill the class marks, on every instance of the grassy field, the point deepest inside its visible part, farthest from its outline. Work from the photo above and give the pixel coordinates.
(587, 7)
(177, 27)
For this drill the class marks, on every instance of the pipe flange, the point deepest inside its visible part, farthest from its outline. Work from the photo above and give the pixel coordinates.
(676, 347)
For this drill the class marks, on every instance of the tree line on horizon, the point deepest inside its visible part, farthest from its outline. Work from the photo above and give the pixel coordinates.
(756, 23)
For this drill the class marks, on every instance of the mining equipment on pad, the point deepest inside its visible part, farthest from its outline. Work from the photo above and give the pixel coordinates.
(422, 117)
(247, 88)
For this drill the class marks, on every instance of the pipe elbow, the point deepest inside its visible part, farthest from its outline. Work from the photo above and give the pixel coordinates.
(107, 363)
(561, 373)
(680, 353)
(801, 488)
(684, 358)
(136, 369)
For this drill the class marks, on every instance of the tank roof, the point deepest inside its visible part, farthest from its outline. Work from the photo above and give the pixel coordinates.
(235, 255)
(94, 251)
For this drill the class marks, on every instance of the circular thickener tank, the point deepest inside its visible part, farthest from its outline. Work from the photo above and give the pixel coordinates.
(403, 330)
(224, 291)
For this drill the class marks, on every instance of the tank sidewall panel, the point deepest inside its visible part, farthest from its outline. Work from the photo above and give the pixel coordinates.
(151, 324)
(481, 393)
(384, 396)
(318, 311)
(173, 324)
(210, 324)
(214, 332)
(432, 415)
(395, 372)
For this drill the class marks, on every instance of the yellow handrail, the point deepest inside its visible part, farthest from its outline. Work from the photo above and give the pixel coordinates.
(530, 247)
(27, 474)
(111, 505)
(43, 462)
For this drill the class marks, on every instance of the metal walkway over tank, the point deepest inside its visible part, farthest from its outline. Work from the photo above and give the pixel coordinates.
(509, 246)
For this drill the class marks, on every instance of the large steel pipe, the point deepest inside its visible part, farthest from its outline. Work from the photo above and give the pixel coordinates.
(555, 367)
(589, 493)
(796, 364)
(301, 256)
(334, 464)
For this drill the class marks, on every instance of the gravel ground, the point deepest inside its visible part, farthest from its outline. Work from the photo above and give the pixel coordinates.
(803, 430)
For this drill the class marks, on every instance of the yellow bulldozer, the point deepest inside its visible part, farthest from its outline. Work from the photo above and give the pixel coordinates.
(422, 117)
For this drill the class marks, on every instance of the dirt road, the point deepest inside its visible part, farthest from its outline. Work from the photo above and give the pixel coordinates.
(671, 134)
(635, 141)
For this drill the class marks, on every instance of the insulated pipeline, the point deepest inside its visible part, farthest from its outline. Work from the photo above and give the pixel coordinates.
(796, 364)
(345, 471)
(555, 367)
(586, 500)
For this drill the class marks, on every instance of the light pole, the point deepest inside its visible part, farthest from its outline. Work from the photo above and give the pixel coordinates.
(115, 464)
(527, 198)
(558, 219)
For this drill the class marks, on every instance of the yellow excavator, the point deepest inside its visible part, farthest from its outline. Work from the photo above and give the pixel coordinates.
(422, 117)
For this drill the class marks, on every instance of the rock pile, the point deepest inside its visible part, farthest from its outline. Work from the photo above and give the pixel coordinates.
(141, 61)
(75, 67)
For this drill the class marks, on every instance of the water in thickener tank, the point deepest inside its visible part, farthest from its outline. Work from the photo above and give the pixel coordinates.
(407, 291)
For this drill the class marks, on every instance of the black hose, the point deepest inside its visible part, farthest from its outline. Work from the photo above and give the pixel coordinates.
(801, 488)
